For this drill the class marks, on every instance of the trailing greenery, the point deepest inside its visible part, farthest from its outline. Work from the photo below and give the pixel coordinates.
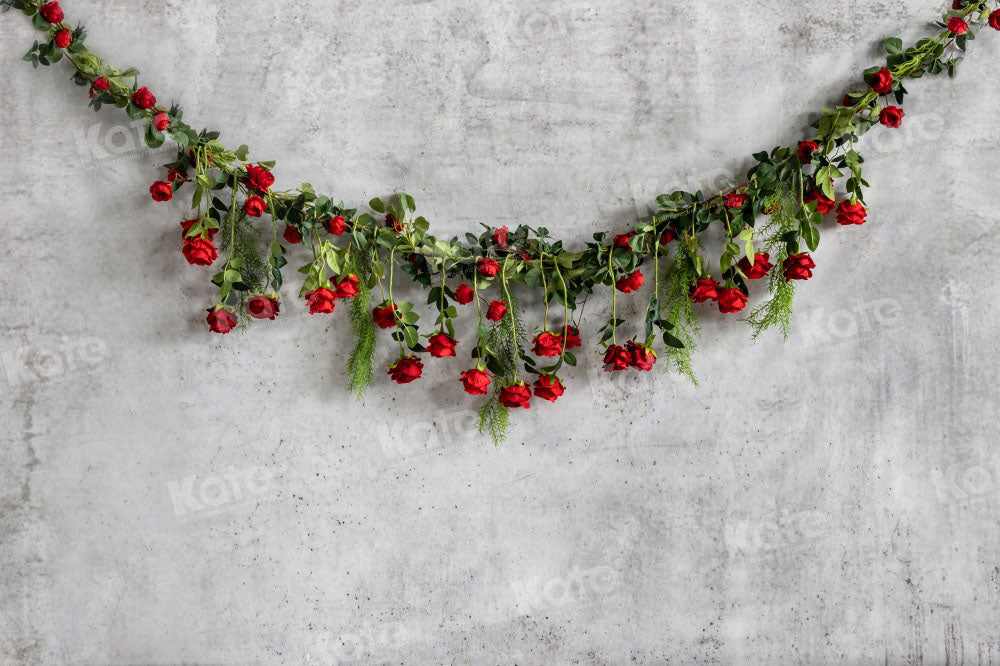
(777, 311)
(359, 366)
(678, 310)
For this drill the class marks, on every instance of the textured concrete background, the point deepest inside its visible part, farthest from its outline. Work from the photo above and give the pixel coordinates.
(171, 497)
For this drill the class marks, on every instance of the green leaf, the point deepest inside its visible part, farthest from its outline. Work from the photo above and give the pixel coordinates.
(377, 205)
(893, 45)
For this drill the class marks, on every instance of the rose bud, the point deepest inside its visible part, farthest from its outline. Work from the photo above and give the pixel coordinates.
(348, 287)
(52, 12)
(321, 301)
(254, 206)
(200, 251)
(667, 238)
(161, 190)
(736, 199)
(640, 357)
(515, 395)
(957, 25)
(548, 387)
(384, 316)
(731, 300)
(488, 267)
(799, 267)
(63, 38)
(176, 174)
(616, 358)
(629, 283)
(995, 20)
(823, 204)
(525, 256)
(143, 99)
(622, 240)
(706, 289)
(161, 121)
(500, 237)
(761, 266)
(220, 320)
(851, 212)
(464, 294)
(262, 307)
(336, 226)
(100, 84)
(292, 235)
(881, 81)
(548, 344)
(440, 345)
(891, 116)
(391, 221)
(571, 334)
(186, 227)
(259, 178)
(405, 370)
(476, 381)
(496, 311)
(806, 150)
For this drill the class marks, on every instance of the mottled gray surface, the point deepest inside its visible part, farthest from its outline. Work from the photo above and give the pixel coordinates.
(170, 497)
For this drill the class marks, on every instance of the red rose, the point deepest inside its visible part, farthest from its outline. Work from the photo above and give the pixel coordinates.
(464, 294)
(496, 311)
(336, 226)
(186, 227)
(957, 25)
(549, 388)
(52, 12)
(348, 287)
(292, 235)
(396, 225)
(176, 174)
(640, 357)
(881, 81)
(736, 199)
(254, 206)
(262, 307)
(799, 267)
(405, 370)
(515, 395)
(384, 316)
(488, 267)
(995, 20)
(851, 212)
(220, 320)
(161, 121)
(476, 381)
(525, 256)
(847, 101)
(667, 237)
(321, 301)
(629, 283)
(571, 334)
(957, 4)
(622, 240)
(440, 345)
(143, 99)
(616, 358)
(100, 84)
(706, 289)
(548, 344)
(761, 266)
(63, 38)
(891, 116)
(200, 251)
(806, 150)
(500, 237)
(731, 300)
(412, 257)
(161, 191)
(823, 204)
(259, 178)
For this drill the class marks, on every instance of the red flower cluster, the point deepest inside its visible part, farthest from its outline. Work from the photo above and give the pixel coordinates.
(496, 311)
(516, 395)
(254, 206)
(200, 251)
(336, 226)
(891, 116)
(881, 81)
(384, 316)
(548, 344)
(706, 289)
(259, 178)
(476, 381)
(464, 294)
(440, 345)
(731, 300)
(100, 84)
(52, 12)
(806, 150)
(321, 301)
(143, 99)
(798, 267)
(63, 38)
(571, 336)
(500, 237)
(161, 190)
(549, 387)
(957, 26)
(640, 357)
(823, 204)
(622, 240)
(995, 20)
(629, 283)
(406, 370)
(220, 320)
(488, 267)
(736, 199)
(161, 121)
(761, 266)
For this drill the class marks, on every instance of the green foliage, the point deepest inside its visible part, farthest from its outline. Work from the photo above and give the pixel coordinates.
(678, 310)
(495, 418)
(238, 236)
(359, 366)
(777, 312)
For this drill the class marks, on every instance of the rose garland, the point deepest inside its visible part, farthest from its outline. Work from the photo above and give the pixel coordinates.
(767, 220)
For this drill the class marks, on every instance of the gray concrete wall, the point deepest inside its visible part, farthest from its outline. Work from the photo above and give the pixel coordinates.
(171, 497)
